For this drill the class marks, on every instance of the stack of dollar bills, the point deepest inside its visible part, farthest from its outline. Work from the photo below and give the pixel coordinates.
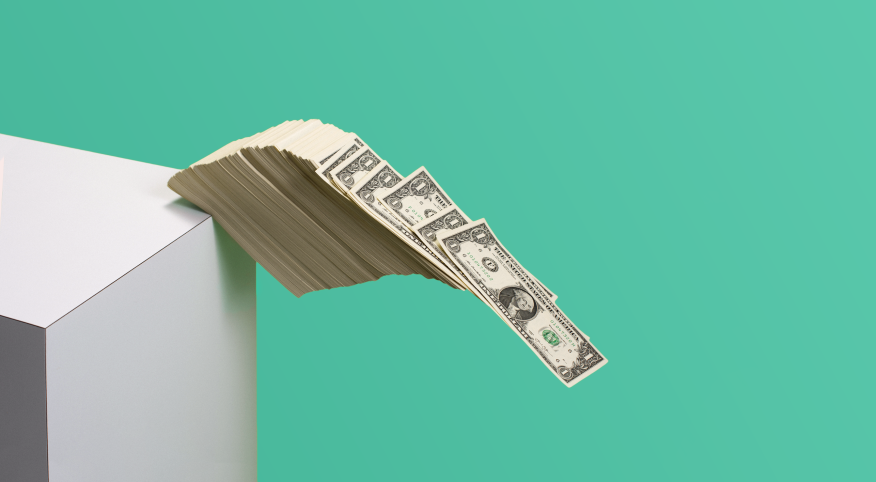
(318, 209)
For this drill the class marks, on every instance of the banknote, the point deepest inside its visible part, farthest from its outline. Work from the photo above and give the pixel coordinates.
(337, 158)
(447, 220)
(521, 302)
(345, 142)
(379, 180)
(382, 178)
(416, 198)
(326, 158)
(322, 150)
(348, 172)
(294, 138)
(319, 154)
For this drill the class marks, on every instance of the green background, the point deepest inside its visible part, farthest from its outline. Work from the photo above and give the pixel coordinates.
(694, 179)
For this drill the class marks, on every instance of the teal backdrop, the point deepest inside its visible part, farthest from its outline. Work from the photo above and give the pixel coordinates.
(694, 179)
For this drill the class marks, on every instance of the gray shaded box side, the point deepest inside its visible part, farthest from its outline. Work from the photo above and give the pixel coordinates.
(155, 377)
(23, 441)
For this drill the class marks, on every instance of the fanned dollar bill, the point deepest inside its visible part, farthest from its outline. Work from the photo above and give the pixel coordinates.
(416, 198)
(346, 174)
(338, 157)
(521, 302)
(379, 180)
(448, 220)
(419, 183)
(419, 199)
(344, 144)
(382, 178)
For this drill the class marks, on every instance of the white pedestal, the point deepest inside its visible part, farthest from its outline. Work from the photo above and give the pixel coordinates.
(127, 326)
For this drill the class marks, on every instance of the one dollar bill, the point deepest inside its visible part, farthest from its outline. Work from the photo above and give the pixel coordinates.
(377, 180)
(521, 302)
(416, 198)
(346, 174)
(341, 155)
(445, 221)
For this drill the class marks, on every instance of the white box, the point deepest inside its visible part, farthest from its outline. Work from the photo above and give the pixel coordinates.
(127, 326)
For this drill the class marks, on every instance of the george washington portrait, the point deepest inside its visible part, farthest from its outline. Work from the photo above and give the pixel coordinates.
(519, 303)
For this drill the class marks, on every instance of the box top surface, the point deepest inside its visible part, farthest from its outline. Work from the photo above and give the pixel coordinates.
(72, 222)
